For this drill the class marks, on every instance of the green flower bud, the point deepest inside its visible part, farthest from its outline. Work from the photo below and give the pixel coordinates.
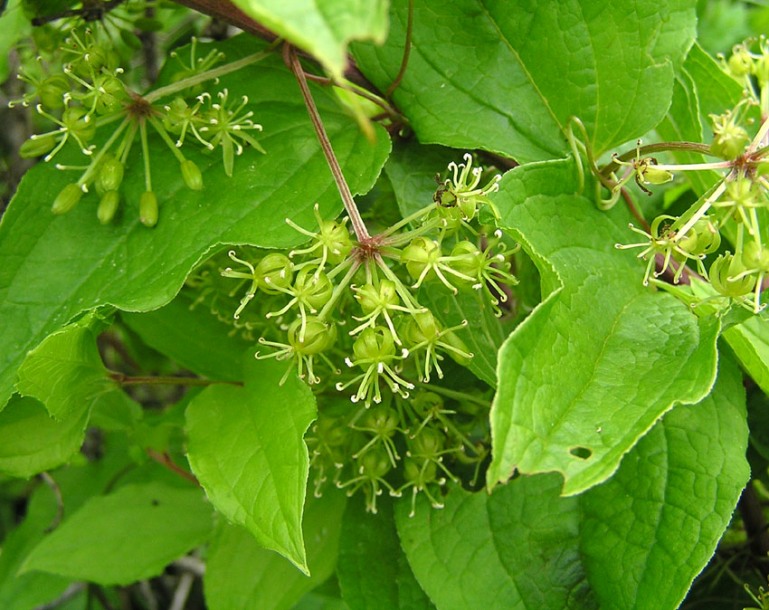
(373, 299)
(148, 209)
(275, 272)
(702, 238)
(37, 146)
(79, 123)
(466, 258)
(191, 174)
(336, 238)
(318, 336)
(419, 254)
(107, 207)
(729, 139)
(375, 463)
(428, 443)
(110, 174)
(314, 289)
(67, 199)
(740, 63)
(373, 345)
(110, 93)
(420, 471)
(725, 267)
(52, 89)
(383, 420)
(755, 256)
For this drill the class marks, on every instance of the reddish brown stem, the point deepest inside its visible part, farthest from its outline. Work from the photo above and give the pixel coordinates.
(358, 226)
(165, 460)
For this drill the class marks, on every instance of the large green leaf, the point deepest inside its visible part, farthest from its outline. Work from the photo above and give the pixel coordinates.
(653, 527)
(463, 560)
(65, 371)
(246, 446)
(194, 338)
(507, 76)
(602, 358)
(128, 535)
(323, 28)
(241, 575)
(31, 441)
(57, 266)
(366, 539)
(636, 541)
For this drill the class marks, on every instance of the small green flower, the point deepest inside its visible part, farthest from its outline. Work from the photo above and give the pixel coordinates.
(374, 352)
(307, 338)
(462, 191)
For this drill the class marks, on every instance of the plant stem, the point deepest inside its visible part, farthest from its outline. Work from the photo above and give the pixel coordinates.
(358, 226)
(211, 74)
(695, 147)
(123, 379)
(406, 52)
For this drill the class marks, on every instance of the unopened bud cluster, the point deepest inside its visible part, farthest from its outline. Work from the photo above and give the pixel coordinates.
(349, 319)
(82, 93)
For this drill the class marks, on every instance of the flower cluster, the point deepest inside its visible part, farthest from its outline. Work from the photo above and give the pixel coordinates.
(734, 208)
(88, 95)
(350, 319)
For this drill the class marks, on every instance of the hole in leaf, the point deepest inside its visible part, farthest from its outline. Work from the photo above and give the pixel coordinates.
(582, 453)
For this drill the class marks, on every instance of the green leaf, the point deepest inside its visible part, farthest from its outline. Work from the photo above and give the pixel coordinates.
(13, 27)
(57, 266)
(239, 572)
(750, 342)
(209, 350)
(65, 371)
(31, 441)
(716, 90)
(366, 581)
(481, 76)
(463, 560)
(30, 590)
(602, 358)
(322, 27)
(484, 334)
(246, 446)
(653, 527)
(128, 535)
(636, 541)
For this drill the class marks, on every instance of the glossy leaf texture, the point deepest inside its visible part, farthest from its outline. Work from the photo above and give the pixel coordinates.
(323, 28)
(166, 522)
(241, 573)
(636, 541)
(480, 76)
(246, 446)
(602, 358)
(58, 266)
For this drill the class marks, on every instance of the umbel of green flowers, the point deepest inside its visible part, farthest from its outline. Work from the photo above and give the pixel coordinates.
(734, 209)
(88, 97)
(348, 319)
